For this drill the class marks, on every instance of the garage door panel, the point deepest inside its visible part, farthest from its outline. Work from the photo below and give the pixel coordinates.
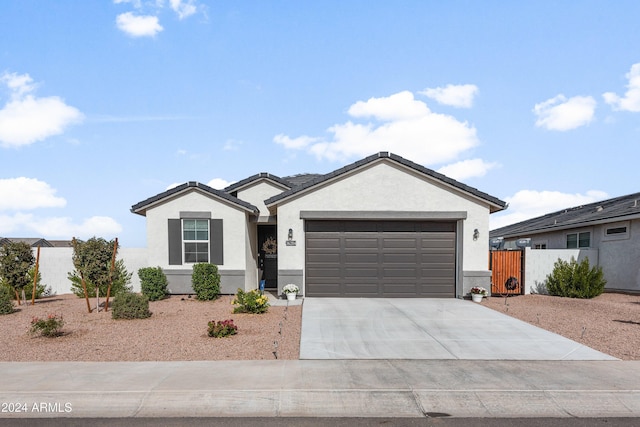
(362, 258)
(398, 242)
(361, 272)
(323, 257)
(355, 242)
(390, 272)
(324, 271)
(400, 258)
(323, 242)
(380, 259)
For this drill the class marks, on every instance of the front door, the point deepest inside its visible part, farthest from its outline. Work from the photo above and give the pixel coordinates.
(268, 255)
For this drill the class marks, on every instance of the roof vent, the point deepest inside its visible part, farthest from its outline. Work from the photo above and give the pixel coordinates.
(599, 209)
(635, 203)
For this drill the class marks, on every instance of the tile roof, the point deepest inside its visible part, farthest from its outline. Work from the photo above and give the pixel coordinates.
(141, 207)
(611, 210)
(262, 175)
(498, 204)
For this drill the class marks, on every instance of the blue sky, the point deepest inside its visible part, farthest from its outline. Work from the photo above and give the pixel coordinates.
(106, 103)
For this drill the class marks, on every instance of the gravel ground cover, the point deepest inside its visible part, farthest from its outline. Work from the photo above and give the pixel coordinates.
(609, 323)
(177, 330)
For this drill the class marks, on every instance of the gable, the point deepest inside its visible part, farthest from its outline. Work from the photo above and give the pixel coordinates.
(494, 204)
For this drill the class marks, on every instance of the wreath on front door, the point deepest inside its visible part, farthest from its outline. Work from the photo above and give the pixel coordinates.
(270, 246)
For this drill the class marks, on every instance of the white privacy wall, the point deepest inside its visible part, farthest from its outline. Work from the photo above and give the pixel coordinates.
(538, 264)
(56, 263)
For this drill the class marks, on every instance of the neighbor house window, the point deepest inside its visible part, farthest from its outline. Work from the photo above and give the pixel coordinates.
(579, 240)
(195, 236)
(540, 246)
(619, 231)
(616, 230)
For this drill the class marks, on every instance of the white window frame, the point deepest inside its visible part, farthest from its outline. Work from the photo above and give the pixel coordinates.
(196, 241)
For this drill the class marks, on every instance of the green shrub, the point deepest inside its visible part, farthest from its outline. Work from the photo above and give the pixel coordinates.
(222, 328)
(129, 305)
(49, 327)
(250, 302)
(205, 281)
(575, 279)
(6, 302)
(153, 283)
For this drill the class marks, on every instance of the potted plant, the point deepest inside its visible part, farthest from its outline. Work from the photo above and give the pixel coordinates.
(291, 291)
(477, 292)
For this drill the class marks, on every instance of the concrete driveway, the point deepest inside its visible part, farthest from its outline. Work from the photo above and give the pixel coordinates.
(381, 328)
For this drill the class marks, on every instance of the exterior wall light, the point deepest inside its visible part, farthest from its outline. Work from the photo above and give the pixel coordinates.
(290, 235)
(476, 234)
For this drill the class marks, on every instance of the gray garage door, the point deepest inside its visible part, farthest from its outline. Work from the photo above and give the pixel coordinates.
(384, 259)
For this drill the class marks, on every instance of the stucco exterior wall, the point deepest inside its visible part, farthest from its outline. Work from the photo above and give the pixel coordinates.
(385, 187)
(258, 193)
(234, 229)
(620, 258)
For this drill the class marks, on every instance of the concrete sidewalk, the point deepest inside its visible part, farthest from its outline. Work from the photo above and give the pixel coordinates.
(314, 388)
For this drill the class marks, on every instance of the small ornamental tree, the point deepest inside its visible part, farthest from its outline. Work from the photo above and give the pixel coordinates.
(16, 259)
(121, 282)
(93, 262)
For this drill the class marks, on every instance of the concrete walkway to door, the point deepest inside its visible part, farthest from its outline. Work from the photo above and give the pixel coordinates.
(402, 328)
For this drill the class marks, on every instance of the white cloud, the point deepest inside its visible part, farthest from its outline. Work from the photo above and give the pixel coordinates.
(560, 113)
(232, 145)
(27, 193)
(138, 25)
(26, 119)
(294, 143)
(527, 204)
(460, 96)
(466, 169)
(219, 183)
(183, 8)
(65, 228)
(398, 123)
(631, 99)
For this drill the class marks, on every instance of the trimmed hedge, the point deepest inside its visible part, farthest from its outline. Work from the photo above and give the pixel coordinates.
(205, 281)
(153, 283)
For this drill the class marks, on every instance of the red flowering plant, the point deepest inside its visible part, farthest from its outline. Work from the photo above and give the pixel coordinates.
(478, 290)
(49, 327)
(222, 328)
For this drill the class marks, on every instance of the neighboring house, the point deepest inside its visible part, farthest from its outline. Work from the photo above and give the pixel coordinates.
(380, 227)
(612, 227)
(34, 242)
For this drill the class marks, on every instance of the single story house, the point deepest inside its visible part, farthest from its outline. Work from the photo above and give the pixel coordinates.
(380, 227)
(612, 227)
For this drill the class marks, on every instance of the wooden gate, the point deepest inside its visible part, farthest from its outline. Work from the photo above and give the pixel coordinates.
(506, 272)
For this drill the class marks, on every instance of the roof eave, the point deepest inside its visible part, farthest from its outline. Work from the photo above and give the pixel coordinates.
(568, 226)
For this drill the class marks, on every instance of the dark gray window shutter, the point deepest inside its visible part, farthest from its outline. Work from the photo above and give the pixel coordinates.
(216, 242)
(175, 242)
